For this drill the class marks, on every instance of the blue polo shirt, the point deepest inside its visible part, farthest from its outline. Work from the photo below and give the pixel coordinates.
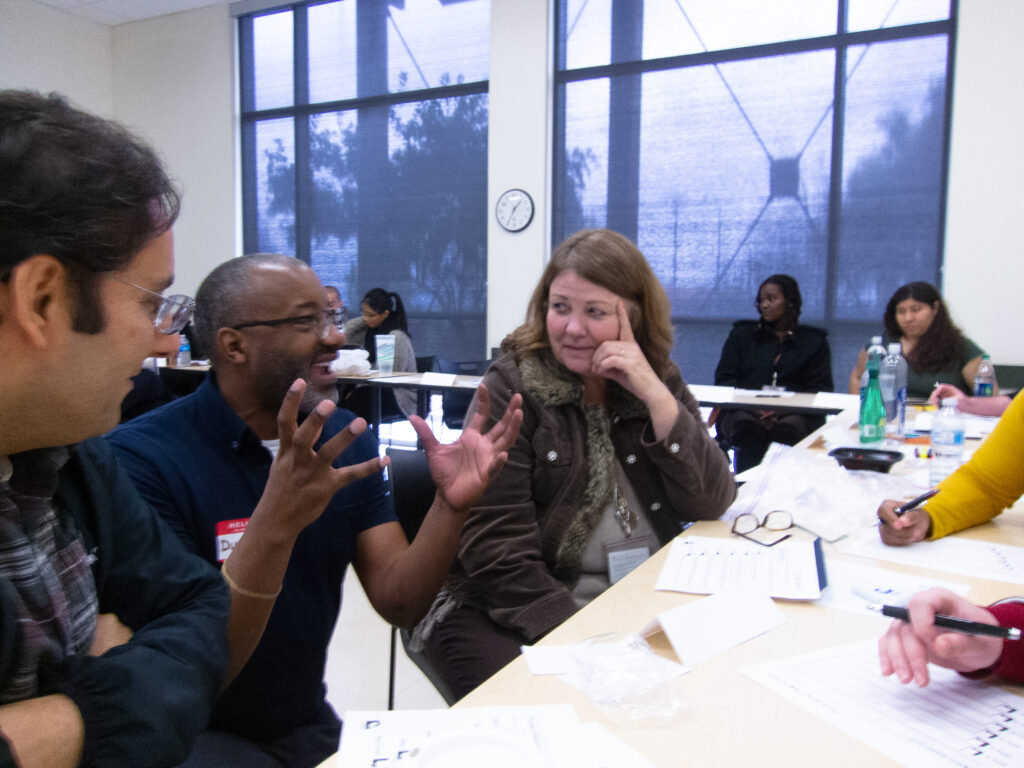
(199, 465)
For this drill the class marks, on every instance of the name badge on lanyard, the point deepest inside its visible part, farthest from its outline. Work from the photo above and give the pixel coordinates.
(229, 532)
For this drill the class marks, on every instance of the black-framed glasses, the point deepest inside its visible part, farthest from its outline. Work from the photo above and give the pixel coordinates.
(767, 532)
(173, 313)
(324, 320)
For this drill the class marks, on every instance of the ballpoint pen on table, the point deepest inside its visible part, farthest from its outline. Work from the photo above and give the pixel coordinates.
(906, 507)
(957, 625)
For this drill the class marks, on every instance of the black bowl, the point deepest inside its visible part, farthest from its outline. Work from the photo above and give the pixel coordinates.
(866, 458)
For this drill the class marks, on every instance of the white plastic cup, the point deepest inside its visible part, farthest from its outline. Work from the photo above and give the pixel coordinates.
(385, 354)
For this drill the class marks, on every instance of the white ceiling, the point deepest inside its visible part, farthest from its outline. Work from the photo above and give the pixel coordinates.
(119, 11)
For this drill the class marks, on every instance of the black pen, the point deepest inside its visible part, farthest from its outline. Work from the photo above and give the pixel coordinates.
(957, 625)
(915, 502)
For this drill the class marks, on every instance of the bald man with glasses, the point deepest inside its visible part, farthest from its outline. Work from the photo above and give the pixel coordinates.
(259, 473)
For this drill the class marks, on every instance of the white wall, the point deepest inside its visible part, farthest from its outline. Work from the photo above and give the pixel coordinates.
(48, 50)
(172, 79)
(984, 267)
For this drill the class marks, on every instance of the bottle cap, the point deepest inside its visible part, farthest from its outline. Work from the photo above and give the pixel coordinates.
(949, 402)
(895, 348)
(876, 340)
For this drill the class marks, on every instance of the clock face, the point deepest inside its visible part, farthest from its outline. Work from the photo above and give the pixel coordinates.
(514, 210)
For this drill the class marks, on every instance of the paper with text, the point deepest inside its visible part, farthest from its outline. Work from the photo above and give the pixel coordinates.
(703, 565)
(951, 722)
(980, 559)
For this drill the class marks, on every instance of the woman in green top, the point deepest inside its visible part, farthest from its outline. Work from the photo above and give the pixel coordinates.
(937, 352)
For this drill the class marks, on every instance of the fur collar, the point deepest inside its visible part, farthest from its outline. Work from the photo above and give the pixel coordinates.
(552, 384)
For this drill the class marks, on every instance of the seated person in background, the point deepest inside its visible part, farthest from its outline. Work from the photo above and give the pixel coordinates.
(907, 648)
(978, 491)
(773, 350)
(229, 458)
(112, 636)
(937, 352)
(383, 314)
(334, 301)
(613, 457)
(978, 406)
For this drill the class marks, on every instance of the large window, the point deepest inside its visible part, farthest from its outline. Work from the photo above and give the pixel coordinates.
(364, 151)
(733, 139)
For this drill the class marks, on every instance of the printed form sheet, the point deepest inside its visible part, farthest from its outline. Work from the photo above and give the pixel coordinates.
(704, 565)
(980, 559)
(951, 722)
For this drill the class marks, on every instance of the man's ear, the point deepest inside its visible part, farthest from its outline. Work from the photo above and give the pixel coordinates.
(36, 298)
(232, 346)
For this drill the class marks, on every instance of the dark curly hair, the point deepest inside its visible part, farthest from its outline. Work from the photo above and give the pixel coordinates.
(942, 343)
(790, 292)
(79, 188)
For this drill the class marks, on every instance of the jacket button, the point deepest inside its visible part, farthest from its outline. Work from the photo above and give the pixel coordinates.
(655, 506)
(616, 419)
(234, 445)
(674, 448)
(631, 459)
(552, 456)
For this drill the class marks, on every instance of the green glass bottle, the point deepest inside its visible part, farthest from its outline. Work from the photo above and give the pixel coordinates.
(872, 411)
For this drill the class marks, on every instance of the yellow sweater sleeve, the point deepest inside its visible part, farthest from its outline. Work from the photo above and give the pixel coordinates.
(987, 484)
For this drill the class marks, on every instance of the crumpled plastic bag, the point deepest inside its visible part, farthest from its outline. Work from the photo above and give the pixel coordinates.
(351, 362)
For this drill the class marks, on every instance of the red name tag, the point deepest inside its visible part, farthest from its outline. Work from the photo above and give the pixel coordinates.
(228, 534)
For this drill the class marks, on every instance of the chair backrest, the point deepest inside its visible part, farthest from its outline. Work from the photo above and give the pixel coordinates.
(454, 404)
(426, 364)
(411, 488)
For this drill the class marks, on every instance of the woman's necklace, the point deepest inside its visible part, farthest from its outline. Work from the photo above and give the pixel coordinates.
(627, 517)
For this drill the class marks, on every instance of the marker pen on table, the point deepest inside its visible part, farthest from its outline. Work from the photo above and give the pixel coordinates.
(957, 625)
(902, 508)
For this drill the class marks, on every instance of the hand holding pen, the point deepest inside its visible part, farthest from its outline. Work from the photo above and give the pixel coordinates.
(908, 647)
(905, 523)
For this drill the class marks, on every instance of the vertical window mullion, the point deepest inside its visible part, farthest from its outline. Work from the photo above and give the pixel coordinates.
(247, 83)
(303, 167)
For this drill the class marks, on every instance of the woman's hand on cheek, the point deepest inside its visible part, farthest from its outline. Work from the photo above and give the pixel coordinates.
(622, 360)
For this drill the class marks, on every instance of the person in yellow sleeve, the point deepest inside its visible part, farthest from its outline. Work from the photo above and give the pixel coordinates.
(981, 489)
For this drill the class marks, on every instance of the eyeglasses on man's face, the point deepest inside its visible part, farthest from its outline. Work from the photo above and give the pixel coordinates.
(322, 321)
(173, 312)
(767, 532)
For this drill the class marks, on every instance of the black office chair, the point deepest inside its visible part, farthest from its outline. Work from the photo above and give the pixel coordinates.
(412, 492)
(454, 404)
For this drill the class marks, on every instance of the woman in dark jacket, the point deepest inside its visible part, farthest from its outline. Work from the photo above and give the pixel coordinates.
(612, 458)
(775, 350)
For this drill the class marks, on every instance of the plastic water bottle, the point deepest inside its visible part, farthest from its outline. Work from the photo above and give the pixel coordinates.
(872, 412)
(893, 383)
(876, 352)
(947, 442)
(985, 378)
(184, 357)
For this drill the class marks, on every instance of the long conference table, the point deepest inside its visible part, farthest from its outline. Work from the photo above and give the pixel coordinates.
(729, 718)
(824, 403)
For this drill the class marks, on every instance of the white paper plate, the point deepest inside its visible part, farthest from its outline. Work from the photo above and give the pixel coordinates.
(478, 747)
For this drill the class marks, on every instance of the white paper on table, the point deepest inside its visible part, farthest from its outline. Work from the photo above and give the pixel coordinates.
(974, 426)
(549, 659)
(951, 722)
(858, 587)
(600, 748)
(703, 565)
(979, 559)
(403, 378)
(372, 739)
(430, 378)
(767, 394)
(709, 393)
(838, 400)
(705, 628)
